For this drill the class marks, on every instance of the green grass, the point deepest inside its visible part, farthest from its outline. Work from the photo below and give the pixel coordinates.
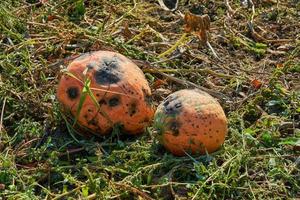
(41, 159)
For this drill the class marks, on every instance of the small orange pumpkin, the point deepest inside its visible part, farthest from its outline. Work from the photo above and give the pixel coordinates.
(120, 87)
(190, 121)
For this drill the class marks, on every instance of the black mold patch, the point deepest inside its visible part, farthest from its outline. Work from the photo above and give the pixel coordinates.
(106, 76)
(108, 71)
(132, 109)
(114, 101)
(102, 102)
(73, 92)
(174, 127)
(172, 105)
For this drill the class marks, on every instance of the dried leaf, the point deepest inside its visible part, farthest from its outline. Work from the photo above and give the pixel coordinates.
(2, 186)
(158, 83)
(51, 17)
(126, 32)
(296, 148)
(197, 24)
(256, 83)
(279, 65)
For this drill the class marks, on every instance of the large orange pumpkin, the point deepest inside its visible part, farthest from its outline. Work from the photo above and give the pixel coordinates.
(190, 121)
(120, 87)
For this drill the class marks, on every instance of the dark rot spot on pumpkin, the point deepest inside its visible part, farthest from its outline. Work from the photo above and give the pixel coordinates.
(169, 99)
(178, 105)
(91, 65)
(108, 72)
(114, 101)
(172, 105)
(85, 116)
(92, 122)
(132, 109)
(210, 136)
(90, 110)
(174, 127)
(106, 76)
(111, 62)
(145, 120)
(102, 102)
(73, 92)
(98, 95)
(204, 133)
(197, 126)
(217, 140)
(170, 110)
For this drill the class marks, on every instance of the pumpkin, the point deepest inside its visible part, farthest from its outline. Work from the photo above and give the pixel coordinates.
(122, 92)
(190, 121)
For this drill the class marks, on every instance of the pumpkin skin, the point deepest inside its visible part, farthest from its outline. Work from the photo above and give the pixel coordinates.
(120, 87)
(190, 121)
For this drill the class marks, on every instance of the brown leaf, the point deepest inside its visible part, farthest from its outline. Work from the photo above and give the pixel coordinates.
(126, 32)
(197, 24)
(2, 186)
(279, 65)
(51, 17)
(256, 83)
(158, 83)
(296, 148)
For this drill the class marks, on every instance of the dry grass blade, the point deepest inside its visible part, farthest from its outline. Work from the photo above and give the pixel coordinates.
(2, 115)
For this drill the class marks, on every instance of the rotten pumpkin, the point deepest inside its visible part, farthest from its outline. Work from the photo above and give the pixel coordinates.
(190, 122)
(119, 87)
